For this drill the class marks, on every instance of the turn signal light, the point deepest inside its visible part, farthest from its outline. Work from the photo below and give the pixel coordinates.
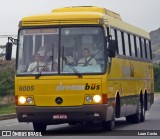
(104, 99)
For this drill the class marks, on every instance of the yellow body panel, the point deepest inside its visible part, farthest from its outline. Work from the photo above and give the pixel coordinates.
(130, 77)
(72, 90)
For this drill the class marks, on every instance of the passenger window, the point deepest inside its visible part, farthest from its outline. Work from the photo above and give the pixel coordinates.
(138, 47)
(126, 43)
(113, 34)
(143, 48)
(132, 45)
(120, 44)
(148, 50)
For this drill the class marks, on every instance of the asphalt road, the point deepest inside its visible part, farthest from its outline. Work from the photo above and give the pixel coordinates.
(151, 125)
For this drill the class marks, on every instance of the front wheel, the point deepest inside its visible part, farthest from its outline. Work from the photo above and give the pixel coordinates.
(39, 127)
(108, 125)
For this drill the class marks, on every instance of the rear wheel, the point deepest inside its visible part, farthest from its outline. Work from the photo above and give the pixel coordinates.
(139, 116)
(142, 114)
(39, 127)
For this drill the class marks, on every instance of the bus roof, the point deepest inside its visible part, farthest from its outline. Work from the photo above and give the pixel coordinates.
(88, 9)
(82, 15)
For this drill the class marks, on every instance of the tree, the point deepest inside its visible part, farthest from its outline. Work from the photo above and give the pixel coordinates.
(156, 78)
(7, 78)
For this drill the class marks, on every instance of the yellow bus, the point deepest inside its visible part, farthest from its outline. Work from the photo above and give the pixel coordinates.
(81, 65)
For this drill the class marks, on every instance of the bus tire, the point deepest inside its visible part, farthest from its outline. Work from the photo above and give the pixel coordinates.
(129, 119)
(142, 109)
(39, 127)
(118, 106)
(140, 115)
(145, 101)
(108, 125)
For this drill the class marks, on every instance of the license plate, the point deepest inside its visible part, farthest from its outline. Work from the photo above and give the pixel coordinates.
(60, 116)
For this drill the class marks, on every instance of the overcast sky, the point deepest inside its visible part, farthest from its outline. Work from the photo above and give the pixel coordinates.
(142, 13)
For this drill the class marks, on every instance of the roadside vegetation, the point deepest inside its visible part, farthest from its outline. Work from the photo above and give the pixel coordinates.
(156, 79)
(7, 71)
(7, 109)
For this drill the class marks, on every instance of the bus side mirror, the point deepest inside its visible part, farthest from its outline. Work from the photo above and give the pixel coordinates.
(8, 51)
(112, 48)
(15, 42)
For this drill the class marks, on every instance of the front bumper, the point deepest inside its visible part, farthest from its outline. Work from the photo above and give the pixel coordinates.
(74, 114)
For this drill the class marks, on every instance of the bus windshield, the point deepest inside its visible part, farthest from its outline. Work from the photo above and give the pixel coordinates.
(69, 50)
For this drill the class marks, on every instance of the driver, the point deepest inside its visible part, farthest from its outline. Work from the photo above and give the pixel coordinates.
(86, 59)
(36, 65)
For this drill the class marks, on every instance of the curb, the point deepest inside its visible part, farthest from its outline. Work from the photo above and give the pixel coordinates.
(8, 116)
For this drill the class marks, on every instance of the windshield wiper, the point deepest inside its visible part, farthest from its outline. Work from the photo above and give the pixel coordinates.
(43, 67)
(72, 67)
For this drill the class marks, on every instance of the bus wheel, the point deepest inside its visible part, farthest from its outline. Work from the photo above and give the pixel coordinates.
(139, 116)
(129, 118)
(39, 127)
(142, 113)
(108, 125)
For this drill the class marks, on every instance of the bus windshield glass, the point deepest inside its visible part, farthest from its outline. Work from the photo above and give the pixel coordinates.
(70, 50)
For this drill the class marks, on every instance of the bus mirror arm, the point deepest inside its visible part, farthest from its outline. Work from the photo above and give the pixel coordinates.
(112, 48)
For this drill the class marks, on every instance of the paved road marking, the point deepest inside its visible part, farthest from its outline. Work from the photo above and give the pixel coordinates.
(11, 125)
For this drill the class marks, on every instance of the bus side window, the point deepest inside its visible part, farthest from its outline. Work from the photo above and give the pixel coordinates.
(120, 44)
(143, 48)
(148, 50)
(132, 45)
(126, 44)
(113, 34)
(138, 47)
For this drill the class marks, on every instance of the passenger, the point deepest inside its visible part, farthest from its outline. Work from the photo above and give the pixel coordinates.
(63, 62)
(87, 60)
(46, 50)
(69, 58)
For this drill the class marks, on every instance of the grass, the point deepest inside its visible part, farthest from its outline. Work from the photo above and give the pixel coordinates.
(7, 109)
(156, 92)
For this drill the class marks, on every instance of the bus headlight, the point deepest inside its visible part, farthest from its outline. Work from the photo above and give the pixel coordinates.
(29, 100)
(97, 98)
(89, 99)
(22, 100)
